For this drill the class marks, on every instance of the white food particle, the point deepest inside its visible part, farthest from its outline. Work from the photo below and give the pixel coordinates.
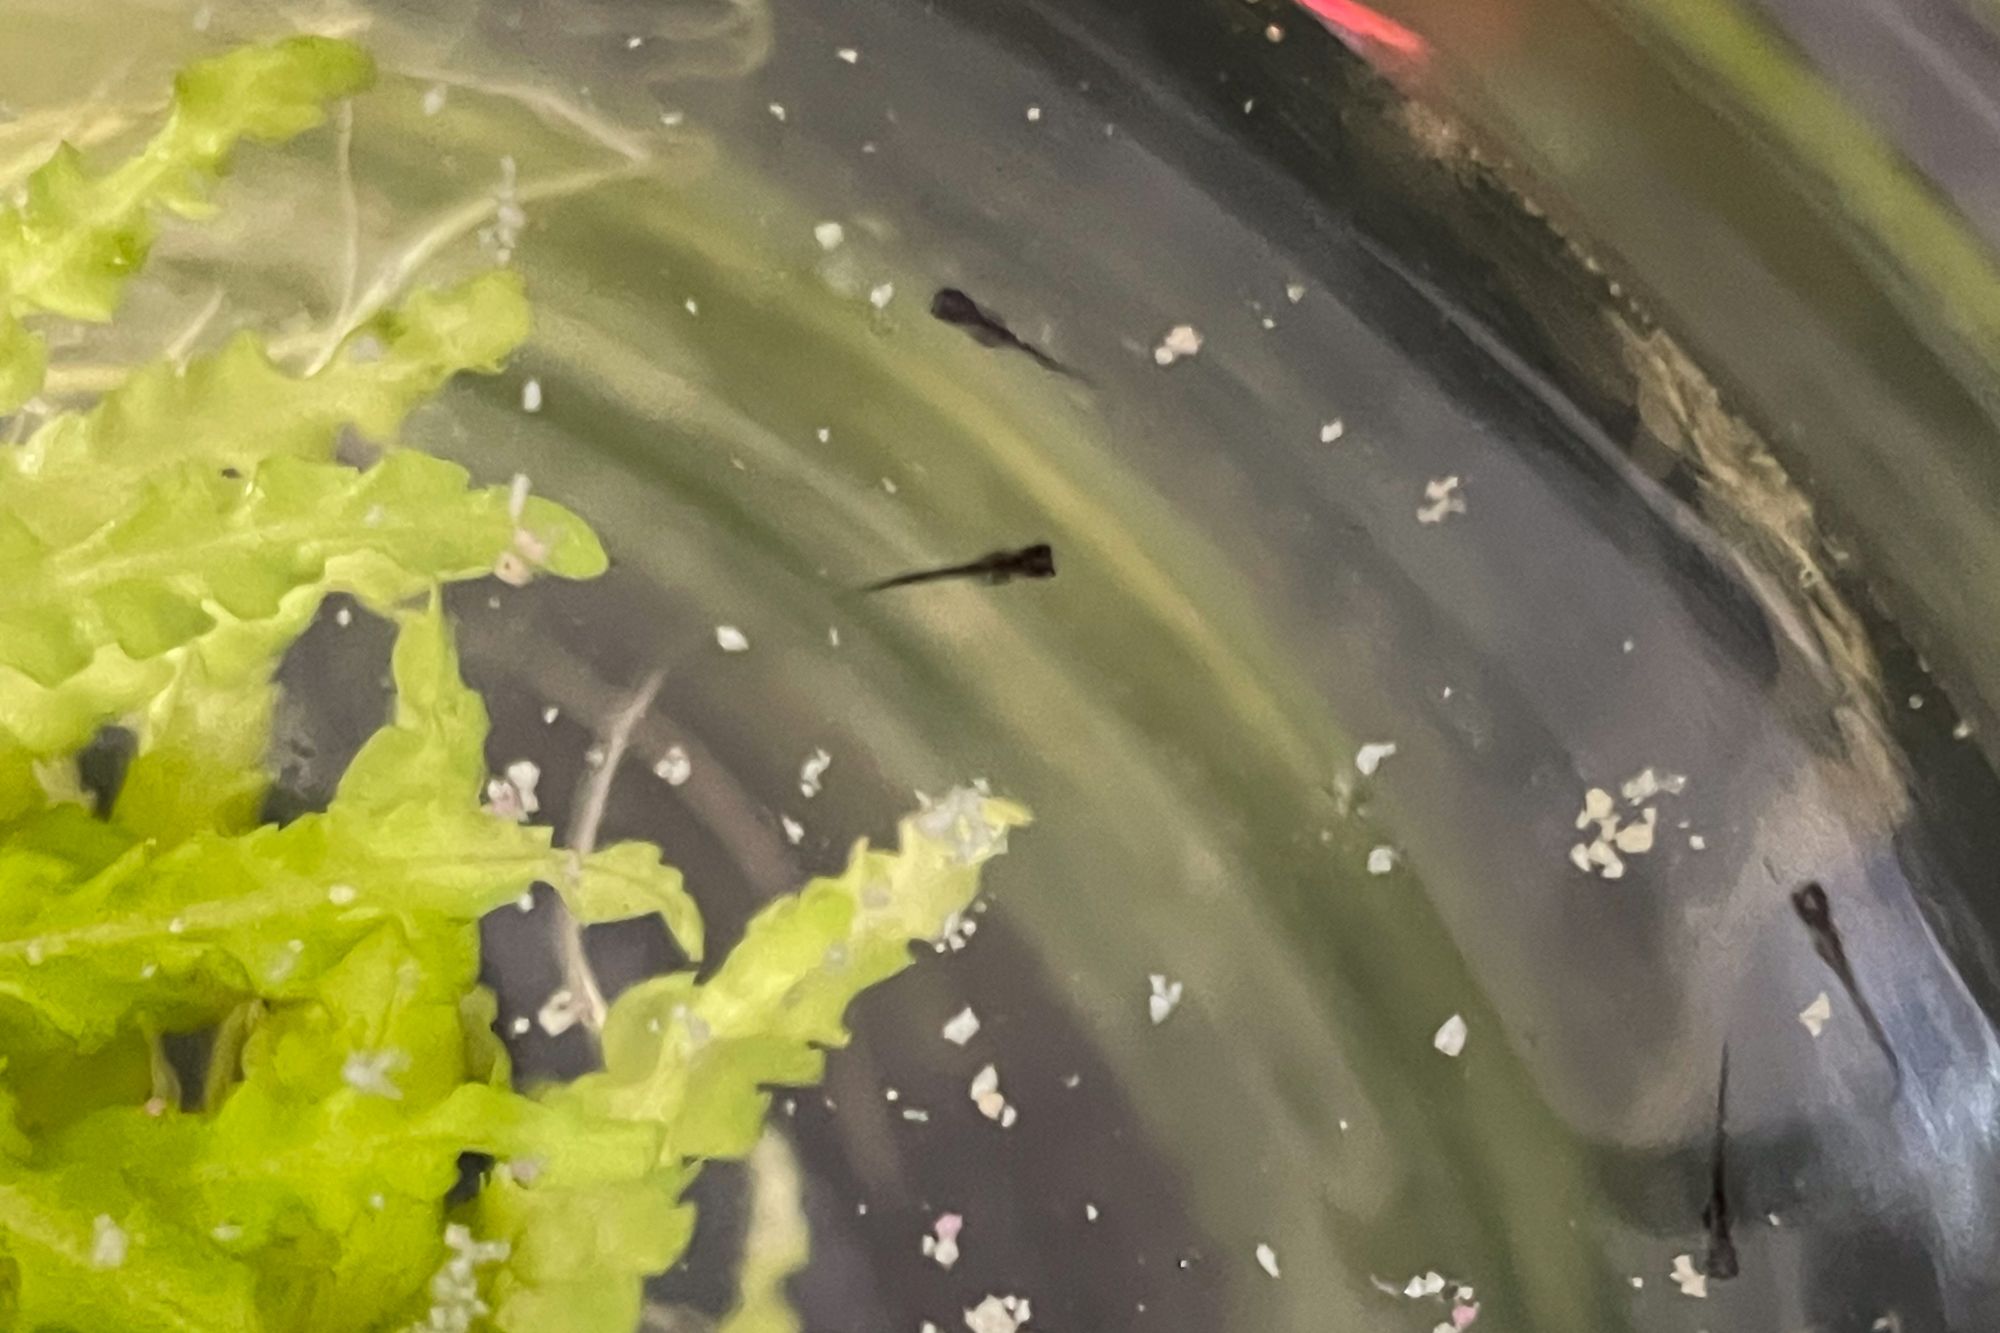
(1295, 292)
(1816, 1014)
(176, 926)
(829, 235)
(108, 1242)
(674, 767)
(942, 1244)
(731, 639)
(531, 398)
(1332, 431)
(1636, 839)
(559, 1013)
(998, 1314)
(795, 832)
(1165, 998)
(1442, 499)
(1267, 1259)
(226, 1232)
(340, 895)
(550, 714)
(1274, 33)
(692, 306)
(1697, 842)
(343, 617)
(519, 1027)
(454, 1288)
(812, 771)
(672, 118)
(1691, 1280)
(1090, 1212)
(369, 1072)
(1370, 756)
(962, 1027)
(1034, 113)
(1647, 784)
(777, 110)
(848, 54)
(1450, 1038)
(526, 775)
(986, 1095)
(1181, 341)
(1381, 860)
(434, 99)
(880, 296)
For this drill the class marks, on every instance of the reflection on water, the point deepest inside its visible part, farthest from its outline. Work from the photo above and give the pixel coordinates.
(761, 422)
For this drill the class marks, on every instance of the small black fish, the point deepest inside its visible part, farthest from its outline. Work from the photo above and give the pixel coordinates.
(1030, 562)
(955, 308)
(1813, 909)
(1720, 1262)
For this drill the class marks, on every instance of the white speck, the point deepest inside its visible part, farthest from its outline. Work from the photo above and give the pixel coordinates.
(829, 235)
(519, 1027)
(1267, 1259)
(848, 54)
(108, 1242)
(1579, 856)
(731, 639)
(1090, 1213)
(880, 296)
(1450, 1038)
(559, 1013)
(824, 434)
(634, 43)
(1274, 33)
(1597, 805)
(986, 1095)
(812, 771)
(340, 895)
(1165, 998)
(674, 767)
(777, 110)
(1816, 1014)
(1295, 292)
(369, 1072)
(227, 1233)
(833, 636)
(1034, 113)
(531, 396)
(1647, 784)
(1442, 499)
(1381, 860)
(434, 99)
(518, 488)
(672, 118)
(998, 1314)
(1962, 731)
(1697, 842)
(526, 775)
(795, 832)
(889, 485)
(1370, 756)
(1332, 431)
(1638, 1284)
(343, 617)
(1691, 1280)
(962, 1027)
(1181, 341)
(147, 971)
(526, 902)
(942, 1244)
(692, 306)
(176, 926)
(550, 714)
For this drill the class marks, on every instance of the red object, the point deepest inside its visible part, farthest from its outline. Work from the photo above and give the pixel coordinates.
(1358, 25)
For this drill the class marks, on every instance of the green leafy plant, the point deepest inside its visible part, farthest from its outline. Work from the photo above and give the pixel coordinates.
(158, 554)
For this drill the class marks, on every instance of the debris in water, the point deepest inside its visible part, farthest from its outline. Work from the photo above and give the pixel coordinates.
(1381, 860)
(1295, 292)
(1181, 341)
(1090, 1213)
(731, 639)
(559, 1013)
(795, 832)
(369, 1072)
(848, 54)
(998, 1314)
(674, 767)
(1267, 1259)
(1370, 756)
(880, 296)
(962, 1027)
(1165, 998)
(986, 1095)
(1691, 1280)
(942, 1244)
(531, 399)
(1816, 1014)
(1450, 1038)
(434, 99)
(1441, 500)
(1034, 114)
(1332, 431)
(108, 1242)
(812, 771)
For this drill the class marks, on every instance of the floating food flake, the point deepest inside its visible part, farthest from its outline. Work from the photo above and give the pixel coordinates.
(1450, 1038)
(1165, 998)
(986, 1095)
(1332, 431)
(1267, 1259)
(1442, 499)
(731, 639)
(1181, 341)
(1816, 1014)
(962, 1027)
(941, 1245)
(1381, 860)
(1691, 1280)
(998, 1314)
(812, 771)
(674, 767)
(1370, 756)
